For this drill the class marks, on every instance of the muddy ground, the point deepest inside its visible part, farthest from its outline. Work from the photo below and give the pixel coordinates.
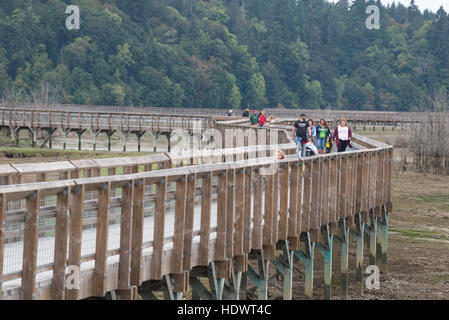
(418, 248)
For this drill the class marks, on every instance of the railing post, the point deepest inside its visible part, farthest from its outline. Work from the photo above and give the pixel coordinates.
(159, 225)
(61, 245)
(3, 202)
(137, 232)
(100, 271)
(125, 241)
(206, 188)
(30, 246)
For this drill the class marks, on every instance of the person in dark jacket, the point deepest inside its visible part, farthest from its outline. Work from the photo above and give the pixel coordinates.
(245, 113)
(300, 134)
(254, 119)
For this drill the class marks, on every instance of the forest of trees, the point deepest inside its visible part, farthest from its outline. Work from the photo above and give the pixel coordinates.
(226, 53)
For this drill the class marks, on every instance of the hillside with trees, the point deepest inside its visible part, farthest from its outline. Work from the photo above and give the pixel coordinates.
(225, 53)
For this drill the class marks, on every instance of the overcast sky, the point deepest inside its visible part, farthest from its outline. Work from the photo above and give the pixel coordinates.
(432, 5)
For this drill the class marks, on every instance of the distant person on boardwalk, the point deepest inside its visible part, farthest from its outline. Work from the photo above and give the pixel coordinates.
(311, 131)
(245, 113)
(230, 113)
(300, 134)
(311, 149)
(329, 144)
(254, 119)
(272, 119)
(342, 136)
(262, 119)
(323, 133)
(279, 154)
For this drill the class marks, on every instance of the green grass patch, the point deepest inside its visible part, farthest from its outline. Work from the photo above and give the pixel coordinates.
(440, 200)
(437, 278)
(421, 234)
(26, 153)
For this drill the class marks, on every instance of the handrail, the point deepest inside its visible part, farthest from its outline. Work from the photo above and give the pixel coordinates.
(357, 183)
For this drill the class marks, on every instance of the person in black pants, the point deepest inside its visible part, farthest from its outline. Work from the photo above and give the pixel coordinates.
(342, 136)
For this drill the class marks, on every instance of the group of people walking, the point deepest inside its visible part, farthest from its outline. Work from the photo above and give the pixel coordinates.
(256, 118)
(312, 140)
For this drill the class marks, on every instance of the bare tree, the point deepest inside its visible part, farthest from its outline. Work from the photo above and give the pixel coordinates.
(47, 95)
(428, 140)
(13, 97)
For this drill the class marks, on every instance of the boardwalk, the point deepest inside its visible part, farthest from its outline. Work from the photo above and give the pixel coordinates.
(154, 228)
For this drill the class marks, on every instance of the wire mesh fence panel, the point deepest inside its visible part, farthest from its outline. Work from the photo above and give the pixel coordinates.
(149, 206)
(115, 210)
(15, 205)
(14, 234)
(169, 217)
(46, 231)
(89, 222)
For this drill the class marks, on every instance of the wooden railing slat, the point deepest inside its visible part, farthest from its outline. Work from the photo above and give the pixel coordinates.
(159, 226)
(126, 217)
(61, 245)
(101, 245)
(189, 220)
(30, 246)
(178, 230)
(137, 232)
(206, 189)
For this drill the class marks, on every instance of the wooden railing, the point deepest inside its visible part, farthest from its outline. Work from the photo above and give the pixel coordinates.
(92, 120)
(351, 115)
(219, 212)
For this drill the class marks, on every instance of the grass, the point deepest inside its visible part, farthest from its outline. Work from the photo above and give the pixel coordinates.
(437, 278)
(442, 200)
(27, 153)
(421, 234)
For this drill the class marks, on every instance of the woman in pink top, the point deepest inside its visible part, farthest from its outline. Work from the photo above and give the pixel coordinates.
(342, 136)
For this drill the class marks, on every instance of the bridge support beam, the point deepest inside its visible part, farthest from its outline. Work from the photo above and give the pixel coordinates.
(167, 286)
(80, 133)
(359, 235)
(382, 240)
(216, 273)
(109, 133)
(284, 264)
(343, 239)
(326, 250)
(307, 258)
(127, 294)
(33, 134)
(155, 138)
(95, 134)
(217, 279)
(168, 135)
(125, 135)
(238, 270)
(139, 136)
(15, 135)
(371, 232)
(50, 137)
(260, 279)
(65, 133)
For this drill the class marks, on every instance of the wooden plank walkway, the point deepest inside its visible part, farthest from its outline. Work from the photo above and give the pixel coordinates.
(157, 225)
